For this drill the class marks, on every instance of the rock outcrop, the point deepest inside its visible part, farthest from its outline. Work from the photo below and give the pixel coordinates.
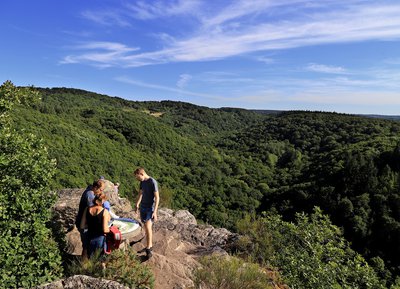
(177, 240)
(82, 282)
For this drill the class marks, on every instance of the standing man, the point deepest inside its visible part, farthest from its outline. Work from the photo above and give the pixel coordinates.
(147, 203)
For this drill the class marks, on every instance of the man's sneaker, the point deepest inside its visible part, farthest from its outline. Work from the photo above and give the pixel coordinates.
(149, 252)
(142, 251)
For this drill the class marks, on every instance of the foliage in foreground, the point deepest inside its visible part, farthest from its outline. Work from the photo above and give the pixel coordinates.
(29, 255)
(219, 272)
(122, 266)
(311, 252)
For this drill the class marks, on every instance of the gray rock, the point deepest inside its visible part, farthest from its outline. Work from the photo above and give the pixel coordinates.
(82, 282)
(185, 217)
(185, 224)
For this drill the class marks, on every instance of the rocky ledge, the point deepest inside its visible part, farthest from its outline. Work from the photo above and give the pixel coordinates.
(177, 242)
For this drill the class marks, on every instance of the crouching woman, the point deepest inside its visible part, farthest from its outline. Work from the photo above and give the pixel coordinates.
(95, 219)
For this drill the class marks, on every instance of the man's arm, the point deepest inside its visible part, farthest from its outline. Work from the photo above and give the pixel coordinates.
(83, 224)
(89, 198)
(139, 200)
(156, 201)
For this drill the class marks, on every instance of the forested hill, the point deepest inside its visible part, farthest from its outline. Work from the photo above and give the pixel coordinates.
(223, 163)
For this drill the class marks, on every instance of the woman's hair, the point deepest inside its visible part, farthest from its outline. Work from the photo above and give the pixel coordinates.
(99, 199)
(97, 184)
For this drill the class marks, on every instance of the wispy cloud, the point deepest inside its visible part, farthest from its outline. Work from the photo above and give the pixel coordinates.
(251, 26)
(323, 93)
(105, 54)
(367, 98)
(266, 60)
(142, 10)
(367, 79)
(107, 18)
(369, 88)
(146, 10)
(325, 68)
(183, 80)
(131, 81)
(223, 77)
(392, 61)
(348, 25)
(250, 12)
(318, 97)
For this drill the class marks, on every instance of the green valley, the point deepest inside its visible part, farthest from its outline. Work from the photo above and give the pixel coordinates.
(225, 165)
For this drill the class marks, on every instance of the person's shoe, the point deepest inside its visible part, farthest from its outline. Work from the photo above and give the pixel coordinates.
(142, 251)
(149, 252)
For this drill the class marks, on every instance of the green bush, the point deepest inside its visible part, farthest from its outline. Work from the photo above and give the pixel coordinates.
(311, 253)
(220, 272)
(29, 255)
(122, 266)
(396, 284)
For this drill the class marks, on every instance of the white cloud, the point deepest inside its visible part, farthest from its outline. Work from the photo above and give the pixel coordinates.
(143, 10)
(265, 60)
(104, 54)
(245, 11)
(163, 87)
(325, 68)
(322, 94)
(365, 98)
(183, 80)
(260, 99)
(112, 46)
(345, 26)
(159, 9)
(320, 99)
(107, 18)
(223, 77)
(251, 26)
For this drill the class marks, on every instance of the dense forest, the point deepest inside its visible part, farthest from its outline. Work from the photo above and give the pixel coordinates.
(224, 164)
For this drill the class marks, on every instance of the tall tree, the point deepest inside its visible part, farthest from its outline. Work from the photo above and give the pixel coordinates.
(29, 255)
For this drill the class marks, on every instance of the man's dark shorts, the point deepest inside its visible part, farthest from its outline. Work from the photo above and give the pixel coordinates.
(146, 214)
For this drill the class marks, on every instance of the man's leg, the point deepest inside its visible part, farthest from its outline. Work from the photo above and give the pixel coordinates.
(145, 216)
(85, 240)
(148, 228)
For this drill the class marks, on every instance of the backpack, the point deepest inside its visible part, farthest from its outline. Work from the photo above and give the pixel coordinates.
(113, 239)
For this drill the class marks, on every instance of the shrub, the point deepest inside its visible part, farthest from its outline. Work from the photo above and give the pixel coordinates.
(311, 253)
(29, 255)
(220, 272)
(122, 266)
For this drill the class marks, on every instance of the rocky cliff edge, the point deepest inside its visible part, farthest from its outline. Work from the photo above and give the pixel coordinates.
(177, 242)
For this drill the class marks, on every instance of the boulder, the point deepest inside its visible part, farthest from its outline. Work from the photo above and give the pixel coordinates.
(82, 282)
(185, 224)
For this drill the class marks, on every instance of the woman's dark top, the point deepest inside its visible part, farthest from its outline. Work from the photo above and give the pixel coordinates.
(95, 224)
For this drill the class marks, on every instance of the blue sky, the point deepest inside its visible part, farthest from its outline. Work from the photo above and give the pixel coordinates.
(327, 55)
